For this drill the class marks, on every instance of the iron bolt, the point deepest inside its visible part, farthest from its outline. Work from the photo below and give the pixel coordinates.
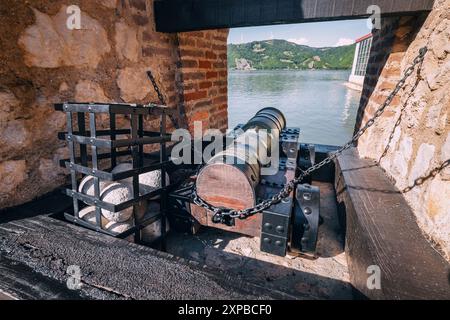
(280, 229)
(307, 196)
(267, 240)
(268, 226)
(279, 243)
(307, 210)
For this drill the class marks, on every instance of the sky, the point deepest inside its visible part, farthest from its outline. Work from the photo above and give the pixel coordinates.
(315, 34)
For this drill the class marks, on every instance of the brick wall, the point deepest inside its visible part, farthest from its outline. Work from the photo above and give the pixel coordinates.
(411, 140)
(43, 62)
(203, 56)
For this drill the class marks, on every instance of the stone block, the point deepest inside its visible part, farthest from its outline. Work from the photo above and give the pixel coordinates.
(50, 44)
(422, 162)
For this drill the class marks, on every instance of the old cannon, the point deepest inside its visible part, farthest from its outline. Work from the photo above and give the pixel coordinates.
(261, 158)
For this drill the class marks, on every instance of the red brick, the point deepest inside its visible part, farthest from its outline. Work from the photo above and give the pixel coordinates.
(205, 85)
(193, 76)
(210, 55)
(192, 53)
(219, 108)
(204, 64)
(221, 114)
(197, 34)
(220, 83)
(219, 100)
(199, 116)
(190, 86)
(213, 92)
(222, 47)
(189, 64)
(185, 41)
(194, 95)
(211, 74)
(221, 38)
(219, 65)
(202, 104)
(203, 44)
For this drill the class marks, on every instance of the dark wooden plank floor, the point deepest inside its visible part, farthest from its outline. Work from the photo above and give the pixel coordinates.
(39, 250)
(382, 230)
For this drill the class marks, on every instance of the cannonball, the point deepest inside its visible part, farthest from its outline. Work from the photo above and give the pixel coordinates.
(88, 215)
(141, 210)
(87, 185)
(148, 181)
(151, 181)
(117, 193)
(124, 166)
(120, 227)
(153, 231)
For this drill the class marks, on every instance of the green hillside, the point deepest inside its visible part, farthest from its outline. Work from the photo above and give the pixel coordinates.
(282, 54)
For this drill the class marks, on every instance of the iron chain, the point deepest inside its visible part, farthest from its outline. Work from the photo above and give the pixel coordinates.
(155, 86)
(161, 98)
(221, 215)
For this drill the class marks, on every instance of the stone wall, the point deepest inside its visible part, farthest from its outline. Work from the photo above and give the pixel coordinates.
(43, 62)
(412, 139)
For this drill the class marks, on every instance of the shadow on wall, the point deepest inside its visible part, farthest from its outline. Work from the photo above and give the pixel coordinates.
(421, 180)
(382, 48)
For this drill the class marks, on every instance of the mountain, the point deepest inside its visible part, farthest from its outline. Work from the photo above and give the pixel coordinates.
(282, 54)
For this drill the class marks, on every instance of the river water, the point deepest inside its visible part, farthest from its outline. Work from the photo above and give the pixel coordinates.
(316, 101)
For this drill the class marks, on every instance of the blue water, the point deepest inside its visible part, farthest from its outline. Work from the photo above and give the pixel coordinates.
(316, 101)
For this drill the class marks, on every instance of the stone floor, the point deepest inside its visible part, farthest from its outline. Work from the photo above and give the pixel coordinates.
(324, 278)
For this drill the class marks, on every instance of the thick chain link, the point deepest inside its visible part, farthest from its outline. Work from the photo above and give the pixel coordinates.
(161, 98)
(155, 86)
(221, 214)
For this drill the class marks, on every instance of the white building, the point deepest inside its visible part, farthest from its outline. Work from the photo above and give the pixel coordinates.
(362, 52)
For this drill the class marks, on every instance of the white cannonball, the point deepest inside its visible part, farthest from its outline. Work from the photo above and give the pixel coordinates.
(153, 231)
(88, 214)
(117, 193)
(87, 185)
(148, 181)
(151, 181)
(141, 209)
(121, 167)
(120, 227)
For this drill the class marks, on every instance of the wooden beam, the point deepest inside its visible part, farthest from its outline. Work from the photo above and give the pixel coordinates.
(381, 230)
(190, 15)
(35, 253)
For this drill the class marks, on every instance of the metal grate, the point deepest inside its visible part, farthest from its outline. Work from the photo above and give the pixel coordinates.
(82, 163)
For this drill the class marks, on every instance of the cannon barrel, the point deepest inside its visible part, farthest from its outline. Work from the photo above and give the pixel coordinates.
(230, 177)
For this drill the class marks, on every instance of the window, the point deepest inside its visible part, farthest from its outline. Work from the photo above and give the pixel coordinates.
(363, 57)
